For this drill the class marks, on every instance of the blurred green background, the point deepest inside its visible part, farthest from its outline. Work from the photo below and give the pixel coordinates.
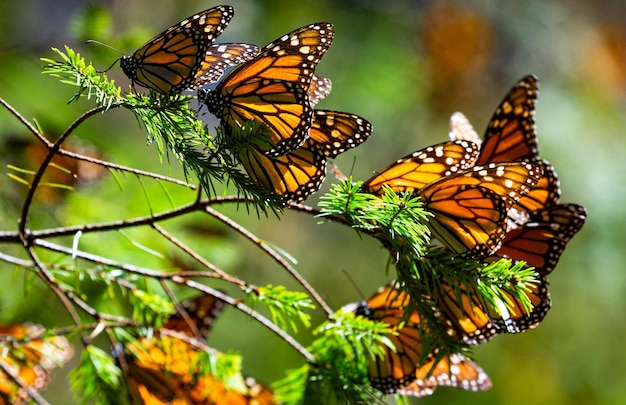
(406, 66)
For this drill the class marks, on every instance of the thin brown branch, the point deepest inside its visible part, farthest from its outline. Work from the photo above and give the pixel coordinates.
(23, 120)
(32, 393)
(22, 222)
(247, 310)
(274, 254)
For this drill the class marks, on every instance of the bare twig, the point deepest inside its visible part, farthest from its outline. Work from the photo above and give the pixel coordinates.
(274, 254)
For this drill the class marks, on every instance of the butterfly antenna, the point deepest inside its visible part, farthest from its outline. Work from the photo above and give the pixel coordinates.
(354, 284)
(93, 41)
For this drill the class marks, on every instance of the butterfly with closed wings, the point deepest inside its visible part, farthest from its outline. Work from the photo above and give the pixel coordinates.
(184, 56)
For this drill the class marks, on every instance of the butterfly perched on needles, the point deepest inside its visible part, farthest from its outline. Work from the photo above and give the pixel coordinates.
(406, 370)
(184, 56)
(272, 88)
(30, 358)
(163, 369)
(470, 206)
(299, 173)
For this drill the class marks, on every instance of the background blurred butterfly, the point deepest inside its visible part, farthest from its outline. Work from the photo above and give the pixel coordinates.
(300, 173)
(400, 370)
(166, 370)
(30, 357)
(183, 56)
(470, 206)
(272, 88)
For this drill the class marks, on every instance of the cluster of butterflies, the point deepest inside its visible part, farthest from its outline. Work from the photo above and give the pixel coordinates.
(275, 86)
(490, 199)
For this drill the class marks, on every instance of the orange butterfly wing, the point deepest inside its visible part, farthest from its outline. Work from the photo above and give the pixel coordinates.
(272, 88)
(470, 208)
(542, 239)
(396, 369)
(514, 318)
(511, 133)
(170, 61)
(294, 176)
(218, 58)
(415, 171)
(30, 358)
(335, 132)
(454, 370)
(464, 310)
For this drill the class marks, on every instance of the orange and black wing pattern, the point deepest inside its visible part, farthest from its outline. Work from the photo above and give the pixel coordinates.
(218, 58)
(513, 317)
(334, 132)
(465, 311)
(272, 88)
(294, 176)
(511, 133)
(542, 239)
(406, 370)
(397, 368)
(29, 357)
(172, 61)
(470, 208)
(454, 370)
(414, 172)
(547, 193)
(164, 370)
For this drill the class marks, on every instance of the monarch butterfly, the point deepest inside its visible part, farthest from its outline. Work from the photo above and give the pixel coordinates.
(183, 56)
(511, 133)
(300, 173)
(397, 368)
(272, 88)
(165, 370)
(30, 359)
(454, 370)
(400, 371)
(469, 206)
(540, 243)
